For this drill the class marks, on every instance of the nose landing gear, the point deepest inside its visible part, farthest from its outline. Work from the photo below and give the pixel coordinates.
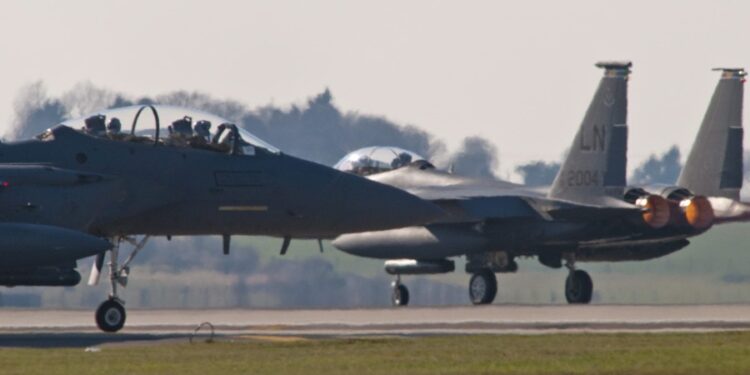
(110, 315)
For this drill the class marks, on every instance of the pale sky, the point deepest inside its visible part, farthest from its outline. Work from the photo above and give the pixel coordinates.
(519, 73)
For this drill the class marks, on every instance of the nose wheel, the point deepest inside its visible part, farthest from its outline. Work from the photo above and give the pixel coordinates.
(110, 316)
(482, 287)
(399, 294)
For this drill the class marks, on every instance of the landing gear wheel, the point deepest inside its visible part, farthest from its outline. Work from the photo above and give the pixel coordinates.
(578, 287)
(400, 295)
(482, 287)
(110, 316)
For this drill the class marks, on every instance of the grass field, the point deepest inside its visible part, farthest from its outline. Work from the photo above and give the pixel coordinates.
(707, 353)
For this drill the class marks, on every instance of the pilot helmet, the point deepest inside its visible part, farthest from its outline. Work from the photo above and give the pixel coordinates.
(405, 158)
(114, 125)
(203, 128)
(363, 161)
(401, 160)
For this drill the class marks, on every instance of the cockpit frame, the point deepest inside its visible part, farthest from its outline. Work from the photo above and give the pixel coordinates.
(156, 122)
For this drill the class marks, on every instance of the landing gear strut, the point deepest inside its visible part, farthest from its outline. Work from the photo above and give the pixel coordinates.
(400, 294)
(578, 285)
(110, 316)
(482, 287)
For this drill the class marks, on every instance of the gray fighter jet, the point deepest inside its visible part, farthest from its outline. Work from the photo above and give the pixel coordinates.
(588, 214)
(86, 186)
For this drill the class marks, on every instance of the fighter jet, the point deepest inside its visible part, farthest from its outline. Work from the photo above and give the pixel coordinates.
(588, 214)
(86, 187)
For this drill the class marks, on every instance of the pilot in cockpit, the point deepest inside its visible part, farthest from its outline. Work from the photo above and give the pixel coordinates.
(114, 126)
(362, 166)
(202, 131)
(401, 160)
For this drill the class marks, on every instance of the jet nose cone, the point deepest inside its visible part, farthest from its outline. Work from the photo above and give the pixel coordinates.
(370, 206)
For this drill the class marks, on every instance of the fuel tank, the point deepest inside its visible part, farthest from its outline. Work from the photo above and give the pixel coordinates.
(418, 267)
(42, 276)
(23, 245)
(424, 243)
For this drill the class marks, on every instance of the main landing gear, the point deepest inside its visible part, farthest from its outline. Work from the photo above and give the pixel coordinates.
(483, 284)
(482, 287)
(578, 286)
(110, 316)
(399, 293)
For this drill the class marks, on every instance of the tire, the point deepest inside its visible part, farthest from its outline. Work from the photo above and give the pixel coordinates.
(400, 295)
(482, 288)
(110, 316)
(579, 287)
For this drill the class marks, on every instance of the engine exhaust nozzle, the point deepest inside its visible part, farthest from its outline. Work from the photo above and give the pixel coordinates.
(698, 211)
(655, 210)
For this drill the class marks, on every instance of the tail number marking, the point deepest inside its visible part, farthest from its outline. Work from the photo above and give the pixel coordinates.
(582, 178)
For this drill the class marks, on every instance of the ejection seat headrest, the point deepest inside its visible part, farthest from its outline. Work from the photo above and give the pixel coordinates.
(95, 124)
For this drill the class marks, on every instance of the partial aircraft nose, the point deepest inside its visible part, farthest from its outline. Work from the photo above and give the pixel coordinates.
(366, 205)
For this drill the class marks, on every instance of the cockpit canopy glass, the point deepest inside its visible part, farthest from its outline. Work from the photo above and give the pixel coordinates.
(376, 159)
(176, 126)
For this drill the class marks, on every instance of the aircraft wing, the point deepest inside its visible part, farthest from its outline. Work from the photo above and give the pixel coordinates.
(476, 199)
(520, 206)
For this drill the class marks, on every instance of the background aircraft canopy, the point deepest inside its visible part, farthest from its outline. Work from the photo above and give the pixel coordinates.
(173, 123)
(376, 159)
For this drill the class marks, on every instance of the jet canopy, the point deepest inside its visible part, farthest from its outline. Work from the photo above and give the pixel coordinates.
(376, 159)
(169, 125)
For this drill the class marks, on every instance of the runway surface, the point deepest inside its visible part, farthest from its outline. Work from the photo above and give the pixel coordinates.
(40, 328)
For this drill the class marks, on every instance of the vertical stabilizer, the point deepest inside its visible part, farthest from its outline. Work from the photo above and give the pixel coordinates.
(596, 163)
(714, 165)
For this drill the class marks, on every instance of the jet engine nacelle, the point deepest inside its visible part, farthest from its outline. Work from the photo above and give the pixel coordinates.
(687, 208)
(418, 267)
(656, 211)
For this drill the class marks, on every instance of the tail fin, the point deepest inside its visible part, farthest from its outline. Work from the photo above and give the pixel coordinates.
(714, 165)
(596, 163)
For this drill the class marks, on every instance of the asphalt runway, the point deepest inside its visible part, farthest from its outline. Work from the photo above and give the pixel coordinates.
(61, 328)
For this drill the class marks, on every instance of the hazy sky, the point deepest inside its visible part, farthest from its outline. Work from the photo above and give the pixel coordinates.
(519, 73)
